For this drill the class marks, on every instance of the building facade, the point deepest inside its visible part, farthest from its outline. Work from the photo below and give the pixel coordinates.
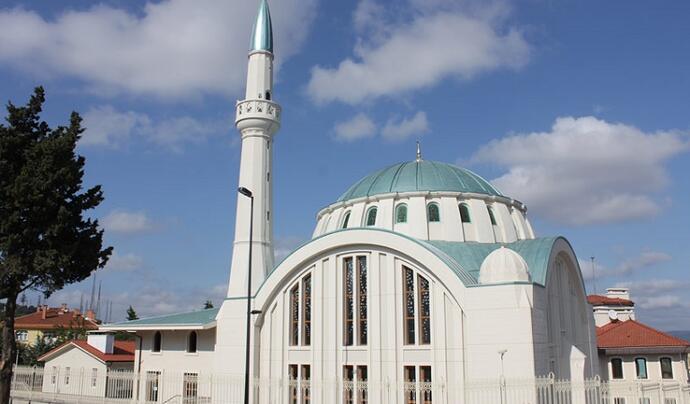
(48, 322)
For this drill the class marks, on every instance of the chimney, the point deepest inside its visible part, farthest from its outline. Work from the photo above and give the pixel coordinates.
(618, 293)
(63, 307)
(104, 342)
(90, 315)
(44, 312)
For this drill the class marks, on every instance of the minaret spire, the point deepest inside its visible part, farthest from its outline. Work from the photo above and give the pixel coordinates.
(419, 152)
(262, 35)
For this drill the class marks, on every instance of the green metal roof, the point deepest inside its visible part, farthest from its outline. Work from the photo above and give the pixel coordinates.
(199, 317)
(262, 35)
(420, 175)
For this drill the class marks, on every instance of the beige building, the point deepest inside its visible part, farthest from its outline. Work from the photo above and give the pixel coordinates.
(47, 322)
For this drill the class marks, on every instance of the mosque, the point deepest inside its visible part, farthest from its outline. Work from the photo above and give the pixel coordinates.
(421, 273)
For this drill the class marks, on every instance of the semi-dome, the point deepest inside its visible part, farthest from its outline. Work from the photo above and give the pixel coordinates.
(504, 265)
(420, 175)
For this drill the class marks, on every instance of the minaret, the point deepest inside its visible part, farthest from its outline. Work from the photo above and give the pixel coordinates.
(257, 119)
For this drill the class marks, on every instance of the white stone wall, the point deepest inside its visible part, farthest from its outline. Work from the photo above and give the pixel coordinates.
(80, 366)
(680, 367)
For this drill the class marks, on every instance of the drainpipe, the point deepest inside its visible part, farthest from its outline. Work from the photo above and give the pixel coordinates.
(138, 374)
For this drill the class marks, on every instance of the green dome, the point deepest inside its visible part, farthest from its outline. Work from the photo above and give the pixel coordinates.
(420, 175)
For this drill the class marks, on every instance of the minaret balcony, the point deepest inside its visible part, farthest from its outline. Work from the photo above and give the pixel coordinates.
(257, 113)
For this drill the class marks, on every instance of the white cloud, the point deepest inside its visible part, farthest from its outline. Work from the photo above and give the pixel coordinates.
(359, 127)
(119, 221)
(653, 287)
(403, 129)
(170, 49)
(585, 170)
(406, 54)
(645, 260)
(108, 127)
(124, 263)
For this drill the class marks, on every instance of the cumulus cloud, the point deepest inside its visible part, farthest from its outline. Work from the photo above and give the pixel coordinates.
(398, 55)
(359, 127)
(652, 287)
(120, 221)
(416, 125)
(110, 128)
(124, 263)
(645, 260)
(169, 49)
(586, 170)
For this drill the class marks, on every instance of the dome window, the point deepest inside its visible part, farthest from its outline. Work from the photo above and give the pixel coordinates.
(492, 217)
(465, 213)
(401, 213)
(371, 216)
(346, 220)
(433, 212)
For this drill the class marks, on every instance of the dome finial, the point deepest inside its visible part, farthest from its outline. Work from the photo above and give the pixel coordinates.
(419, 152)
(262, 35)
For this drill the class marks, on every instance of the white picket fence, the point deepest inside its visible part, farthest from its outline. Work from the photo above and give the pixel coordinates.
(38, 385)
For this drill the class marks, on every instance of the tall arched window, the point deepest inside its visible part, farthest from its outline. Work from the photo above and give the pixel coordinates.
(666, 368)
(433, 213)
(191, 342)
(156, 342)
(492, 217)
(346, 220)
(401, 213)
(641, 368)
(371, 216)
(465, 213)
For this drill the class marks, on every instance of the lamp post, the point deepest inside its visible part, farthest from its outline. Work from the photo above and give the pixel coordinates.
(244, 191)
(502, 381)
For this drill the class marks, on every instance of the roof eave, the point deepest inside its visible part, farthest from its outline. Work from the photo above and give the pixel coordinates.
(158, 327)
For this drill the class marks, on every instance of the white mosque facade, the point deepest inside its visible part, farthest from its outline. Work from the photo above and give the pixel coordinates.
(421, 272)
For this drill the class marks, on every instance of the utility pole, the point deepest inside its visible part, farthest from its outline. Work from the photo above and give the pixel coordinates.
(594, 277)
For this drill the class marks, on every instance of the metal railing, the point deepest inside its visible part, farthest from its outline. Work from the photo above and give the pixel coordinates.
(63, 385)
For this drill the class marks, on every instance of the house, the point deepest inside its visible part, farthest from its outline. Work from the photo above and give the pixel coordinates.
(46, 322)
(79, 367)
(614, 305)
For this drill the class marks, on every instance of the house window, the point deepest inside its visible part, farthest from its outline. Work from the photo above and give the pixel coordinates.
(53, 375)
(666, 368)
(410, 388)
(616, 368)
(401, 213)
(465, 213)
(641, 368)
(152, 380)
(348, 302)
(190, 388)
(433, 212)
(94, 377)
(424, 311)
(492, 217)
(346, 220)
(157, 342)
(416, 309)
(408, 305)
(22, 335)
(67, 376)
(191, 342)
(306, 310)
(362, 302)
(294, 315)
(371, 216)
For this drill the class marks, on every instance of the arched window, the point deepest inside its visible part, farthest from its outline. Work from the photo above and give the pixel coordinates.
(191, 342)
(641, 368)
(492, 217)
(371, 216)
(268, 95)
(433, 212)
(617, 368)
(157, 342)
(346, 220)
(464, 213)
(401, 213)
(666, 368)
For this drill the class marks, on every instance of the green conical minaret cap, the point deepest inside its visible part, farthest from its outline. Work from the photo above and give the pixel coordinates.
(262, 36)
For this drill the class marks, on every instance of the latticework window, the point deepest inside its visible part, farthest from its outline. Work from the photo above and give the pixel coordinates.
(306, 310)
(294, 315)
(424, 311)
(362, 302)
(348, 302)
(408, 305)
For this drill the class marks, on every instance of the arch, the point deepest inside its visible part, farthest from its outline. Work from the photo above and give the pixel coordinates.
(465, 213)
(371, 216)
(401, 213)
(433, 212)
(157, 342)
(191, 342)
(492, 216)
(346, 220)
(268, 95)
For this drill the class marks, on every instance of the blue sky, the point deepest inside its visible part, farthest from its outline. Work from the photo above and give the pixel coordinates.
(578, 108)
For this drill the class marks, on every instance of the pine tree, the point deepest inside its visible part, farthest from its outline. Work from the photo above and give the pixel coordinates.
(45, 240)
(131, 314)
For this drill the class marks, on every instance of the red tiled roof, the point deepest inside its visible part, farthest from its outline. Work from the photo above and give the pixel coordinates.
(599, 300)
(629, 334)
(123, 351)
(55, 318)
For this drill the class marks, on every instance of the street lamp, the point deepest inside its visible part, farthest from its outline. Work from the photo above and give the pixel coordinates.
(244, 191)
